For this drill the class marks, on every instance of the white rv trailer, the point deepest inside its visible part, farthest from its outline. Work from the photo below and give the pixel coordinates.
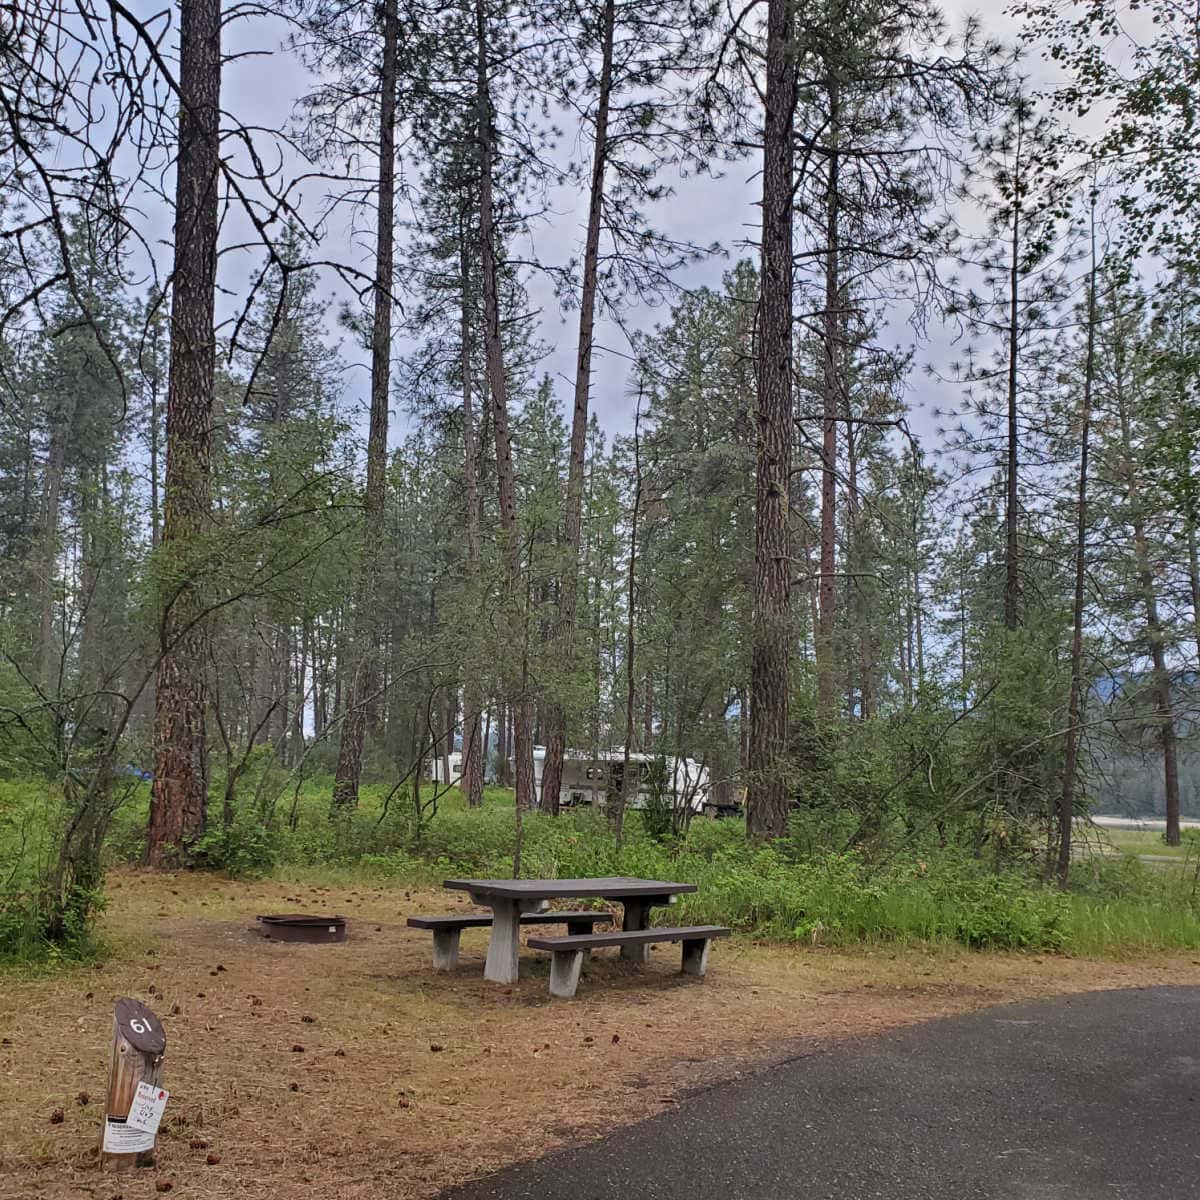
(588, 777)
(435, 768)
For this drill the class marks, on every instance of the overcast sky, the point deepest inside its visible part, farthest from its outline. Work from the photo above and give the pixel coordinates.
(262, 90)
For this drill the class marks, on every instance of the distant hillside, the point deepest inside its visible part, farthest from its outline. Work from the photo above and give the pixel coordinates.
(1132, 786)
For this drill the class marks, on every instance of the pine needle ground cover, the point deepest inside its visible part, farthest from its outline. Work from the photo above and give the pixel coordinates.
(349, 1071)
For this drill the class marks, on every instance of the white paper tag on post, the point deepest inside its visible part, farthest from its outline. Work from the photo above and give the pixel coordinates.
(146, 1111)
(119, 1138)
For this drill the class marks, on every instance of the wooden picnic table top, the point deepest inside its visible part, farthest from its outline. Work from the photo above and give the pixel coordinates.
(615, 887)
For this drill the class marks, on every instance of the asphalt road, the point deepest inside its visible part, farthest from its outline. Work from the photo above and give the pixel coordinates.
(1092, 1097)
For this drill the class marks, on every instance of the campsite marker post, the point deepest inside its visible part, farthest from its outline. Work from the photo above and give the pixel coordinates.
(139, 1044)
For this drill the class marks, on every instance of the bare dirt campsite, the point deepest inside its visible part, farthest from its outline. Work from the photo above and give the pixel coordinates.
(333, 1071)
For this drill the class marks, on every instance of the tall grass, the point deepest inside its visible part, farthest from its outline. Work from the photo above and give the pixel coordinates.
(1102, 928)
(785, 894)
(790, 891)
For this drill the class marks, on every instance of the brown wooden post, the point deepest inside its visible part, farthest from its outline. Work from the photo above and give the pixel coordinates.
(139, 1044)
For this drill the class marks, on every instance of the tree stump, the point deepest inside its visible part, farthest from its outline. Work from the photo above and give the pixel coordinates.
(139, 1044)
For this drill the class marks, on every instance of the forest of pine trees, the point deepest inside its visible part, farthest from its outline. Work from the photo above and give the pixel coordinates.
(878, 499)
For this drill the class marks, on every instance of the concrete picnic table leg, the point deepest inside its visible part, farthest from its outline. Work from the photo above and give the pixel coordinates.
(445, 949)
(637, 916)
(505, 941)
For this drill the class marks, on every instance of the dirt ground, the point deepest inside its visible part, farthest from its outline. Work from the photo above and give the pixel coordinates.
(350, 1071)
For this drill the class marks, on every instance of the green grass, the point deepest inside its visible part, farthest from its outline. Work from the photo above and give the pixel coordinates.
(1139, 841)
(1114, 928)
(936, 896)
(787, 892)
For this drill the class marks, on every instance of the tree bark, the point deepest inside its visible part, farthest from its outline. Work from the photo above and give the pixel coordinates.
(1189, 506)
(154, 444)
(618, 815)
(1012, 577)
(498, 388)
(450, 714)
(180, 790)
(1194, 582)
(472, 750)
(320, 670)
(47, 659)
(855, 557)
(487, 741)
(918, 605)
(767, 805)
(1066, 804)
(1155, 641)
(366, 629)
(503, 778)
(830, 394)
(572, 516)
(281, 681)
(300, 655)
(1162, 688)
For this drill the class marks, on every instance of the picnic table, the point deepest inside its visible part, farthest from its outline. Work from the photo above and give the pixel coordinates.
(509, 898)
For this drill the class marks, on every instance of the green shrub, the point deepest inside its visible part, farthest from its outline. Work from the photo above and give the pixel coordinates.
(246, 848)
(791, 891)
(795, 890)
(51, 884)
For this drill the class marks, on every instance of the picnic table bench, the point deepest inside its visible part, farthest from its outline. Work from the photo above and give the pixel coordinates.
(568, 951)
(512, 899)
(447, 931)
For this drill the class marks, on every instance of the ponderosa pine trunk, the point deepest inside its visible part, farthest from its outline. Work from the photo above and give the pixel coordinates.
(180, 790)
(917, 507)
(621, 799)
(1066, 804)
(1012, 577)
(47, 559)
(1155, 639)
(300, 656)
(365, 672)
(830, 402)
(155, 508)
(503, 774)
(855, 561)
(1189, 491)
(1161, 681)
(473, 750)
(573, 514)
(770, 675)
(1194, 580)
(498, 389)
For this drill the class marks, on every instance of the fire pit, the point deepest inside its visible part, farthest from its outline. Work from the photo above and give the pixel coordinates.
(297, 927)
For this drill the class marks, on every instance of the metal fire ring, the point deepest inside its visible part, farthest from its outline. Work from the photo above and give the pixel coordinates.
(298, 927)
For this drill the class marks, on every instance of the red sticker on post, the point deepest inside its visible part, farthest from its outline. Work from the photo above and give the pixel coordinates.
(147, 1109)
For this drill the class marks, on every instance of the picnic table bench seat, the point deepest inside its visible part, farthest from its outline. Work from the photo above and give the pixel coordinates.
(447, 930)
(510, 899)
(568, 951)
